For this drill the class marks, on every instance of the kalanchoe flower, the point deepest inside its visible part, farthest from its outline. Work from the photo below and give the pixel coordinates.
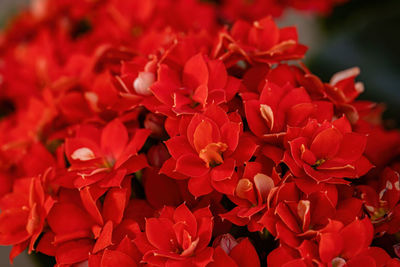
(105, 156)
(23, 214)
(177, 237)
(200, 82)
(381, 203)
(281, 107)
(261, 41)
(326, 152)
(207, 151)
(82, 221)
(251, 194)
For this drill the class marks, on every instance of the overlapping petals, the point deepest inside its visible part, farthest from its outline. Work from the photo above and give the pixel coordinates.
(188, 133)
(183, 240)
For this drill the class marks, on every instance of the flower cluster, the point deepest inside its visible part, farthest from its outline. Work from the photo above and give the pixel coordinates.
(138, 133)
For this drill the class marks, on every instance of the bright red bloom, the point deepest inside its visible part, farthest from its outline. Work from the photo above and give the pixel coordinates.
(23, 214)
(103, 156)
(326, 152)
(251, 194)
(177, 237)
(207, 150)
(81, 224)
(295, 218)
(200, 82)
(281, 107)
(382, 202)
(261, 41)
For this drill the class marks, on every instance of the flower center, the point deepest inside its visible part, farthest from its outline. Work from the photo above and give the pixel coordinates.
(212, 154)
(318, 163)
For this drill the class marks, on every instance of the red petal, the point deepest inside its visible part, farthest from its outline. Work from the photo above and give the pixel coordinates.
(232, 217)
(357, 236)
(245, 255)
(183, 215)
(199, 186)
(256, 123)
(13, 226)
(203, 135)
(114, 138)
(168, 168)
(326, 144)
(114, 205)
(191, 165)
(203, 258)
(286, 236)
(195, 72)
(68, 218)
(133, 146)
(168, 82)
(133, 164)
(160, 233)
(105, 238)
(352, 147)
(265, 34)
(343, 125)
(223, 171)
(287, 217)
(230, 135)
(46, 244)
(17, 249)
(114, 258)
(221, 259)
(178, 146)
(200, 95)
(330, 246)
(364, 261)
(90, 205)
(115, 178)
(74, 251)
(226, 186)
(280, 255)
(379, 255)
(218, 75)
(245, 149)
(217, 115)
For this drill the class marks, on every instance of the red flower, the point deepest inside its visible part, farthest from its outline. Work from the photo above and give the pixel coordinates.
(199, 83)
(294, 219)
(335, 246)
(81, 224)
(261, 41)
(23, 214)
(177, 237)
(281, 107)
(382, 202)
(251, 194)
(326, 152)
(207, 151)
(104, 157)
(348, 245)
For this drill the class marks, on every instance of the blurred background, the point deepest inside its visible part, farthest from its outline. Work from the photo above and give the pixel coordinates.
(363, 33)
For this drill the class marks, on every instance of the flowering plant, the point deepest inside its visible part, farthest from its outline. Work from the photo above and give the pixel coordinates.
(141, 133)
